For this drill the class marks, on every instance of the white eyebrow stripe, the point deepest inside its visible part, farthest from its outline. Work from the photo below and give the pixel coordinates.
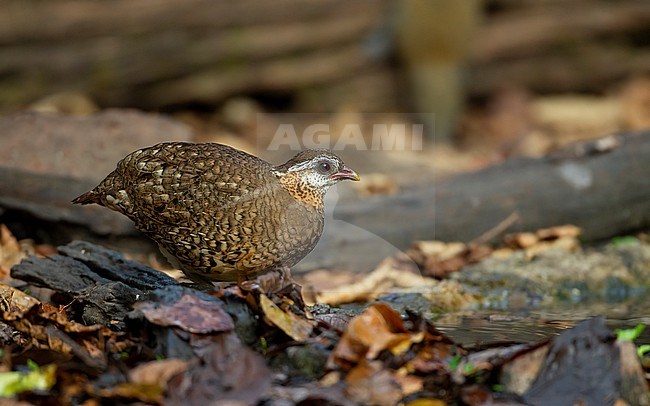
(300, 166)
(307, 164)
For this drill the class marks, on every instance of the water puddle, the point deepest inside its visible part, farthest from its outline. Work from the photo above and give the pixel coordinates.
(489, 327)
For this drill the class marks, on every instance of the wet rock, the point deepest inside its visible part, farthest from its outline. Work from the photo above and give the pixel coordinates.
(610, 273)
(582, 367)
(302, 362)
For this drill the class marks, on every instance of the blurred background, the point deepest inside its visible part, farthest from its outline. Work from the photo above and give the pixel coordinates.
(511, 76)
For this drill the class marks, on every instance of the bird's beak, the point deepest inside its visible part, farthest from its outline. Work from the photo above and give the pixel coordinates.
(345, 173)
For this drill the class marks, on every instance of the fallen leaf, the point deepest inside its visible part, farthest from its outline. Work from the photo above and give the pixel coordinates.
(227, 371)
(192, 311)
(11, 252)
(377, 329)
(157, 372)
(521, 240)
(563, 243)
(431, 358)
(335, 320)
(528, 240)
(371, 383)
(293, 325)
(15, 303)
(426, 402)
(148, 393)
(420, 250)
(313, 393)
(557, 232)
(390, 273)
(477, 395)
(409, 383)
(438, 259)
(519, 374)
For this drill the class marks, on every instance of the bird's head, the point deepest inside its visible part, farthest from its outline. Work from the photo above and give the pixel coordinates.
(312, 172)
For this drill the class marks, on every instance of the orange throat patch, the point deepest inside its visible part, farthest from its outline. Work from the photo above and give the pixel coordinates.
(303, 192)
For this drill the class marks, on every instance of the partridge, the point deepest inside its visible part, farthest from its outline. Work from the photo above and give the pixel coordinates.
(220, 214)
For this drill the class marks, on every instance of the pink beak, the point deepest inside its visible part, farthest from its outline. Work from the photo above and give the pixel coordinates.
(345, 173)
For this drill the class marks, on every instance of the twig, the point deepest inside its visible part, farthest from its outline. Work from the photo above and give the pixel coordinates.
(496, 230)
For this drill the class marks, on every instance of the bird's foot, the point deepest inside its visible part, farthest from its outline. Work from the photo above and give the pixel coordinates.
(276, 283)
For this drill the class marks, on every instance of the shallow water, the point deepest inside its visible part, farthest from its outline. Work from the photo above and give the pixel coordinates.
(522, 325)
(488, 327)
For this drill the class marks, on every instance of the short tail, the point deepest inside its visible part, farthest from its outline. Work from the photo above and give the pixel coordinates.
(87, 198)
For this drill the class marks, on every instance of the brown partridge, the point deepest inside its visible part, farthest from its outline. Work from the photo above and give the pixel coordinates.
(218, 213)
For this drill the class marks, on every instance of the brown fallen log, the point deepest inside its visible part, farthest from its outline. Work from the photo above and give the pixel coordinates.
(602, 187)
(38, 183)
(47, 198)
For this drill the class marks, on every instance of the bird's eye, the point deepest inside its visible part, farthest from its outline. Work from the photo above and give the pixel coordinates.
(324, 167)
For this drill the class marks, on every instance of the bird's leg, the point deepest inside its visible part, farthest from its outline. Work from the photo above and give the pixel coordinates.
(199, 281)
(246, 285)
(277, 281)
(274, 280)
